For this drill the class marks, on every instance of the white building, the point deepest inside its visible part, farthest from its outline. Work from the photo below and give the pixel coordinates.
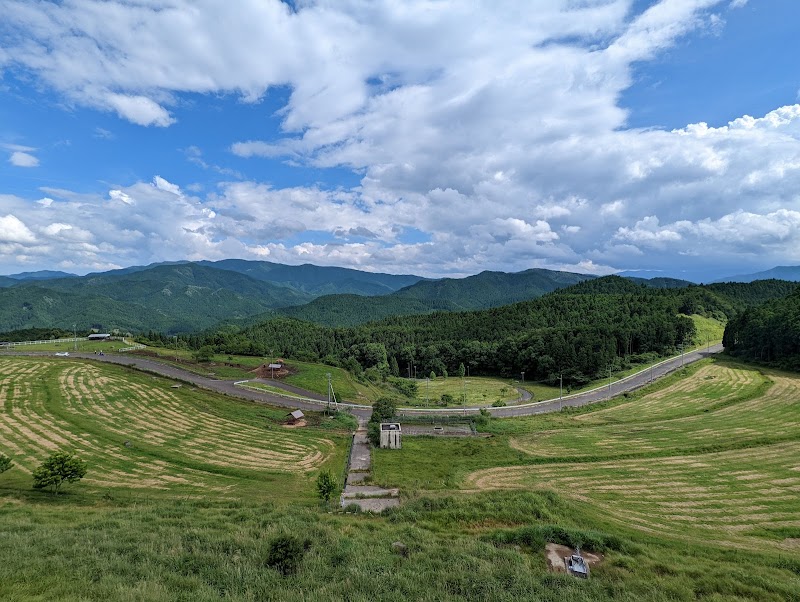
(390, 435)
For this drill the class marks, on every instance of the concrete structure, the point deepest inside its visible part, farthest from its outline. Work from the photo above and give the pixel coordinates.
(576, 565)
(99, 337)
(390, 435)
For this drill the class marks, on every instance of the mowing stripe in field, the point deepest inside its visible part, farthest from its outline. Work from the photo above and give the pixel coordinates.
(137, 431)
(721, 497)
(773, 415)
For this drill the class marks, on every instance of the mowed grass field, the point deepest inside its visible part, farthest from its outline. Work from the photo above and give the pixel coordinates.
(188, 510)
(480, 391)
(711, 454)
(137, 432)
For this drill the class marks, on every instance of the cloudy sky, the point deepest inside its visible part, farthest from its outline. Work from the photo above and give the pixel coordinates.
(429, 137)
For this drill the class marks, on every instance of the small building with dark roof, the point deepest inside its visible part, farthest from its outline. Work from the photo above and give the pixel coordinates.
(295, 416)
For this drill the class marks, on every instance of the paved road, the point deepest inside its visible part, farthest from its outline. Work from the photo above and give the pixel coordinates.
(581, 399)
(221, 386)
(228, 388)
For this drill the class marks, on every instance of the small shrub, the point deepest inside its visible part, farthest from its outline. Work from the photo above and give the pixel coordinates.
(285, 554)
(499, 404)
(447, 399)
(326, 485)
(5, 463)
(59, 468)
(374, 433)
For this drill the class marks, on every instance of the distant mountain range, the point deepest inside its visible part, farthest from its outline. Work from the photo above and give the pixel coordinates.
(784, 272)
(191, 296)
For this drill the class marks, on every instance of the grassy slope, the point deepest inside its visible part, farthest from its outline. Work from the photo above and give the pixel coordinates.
(179, 441)
(139, 543)
(705, 455)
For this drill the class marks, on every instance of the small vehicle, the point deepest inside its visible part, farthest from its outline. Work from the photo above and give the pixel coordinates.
(62, 353)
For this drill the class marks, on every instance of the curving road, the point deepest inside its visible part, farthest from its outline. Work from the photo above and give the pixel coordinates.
(228, 387)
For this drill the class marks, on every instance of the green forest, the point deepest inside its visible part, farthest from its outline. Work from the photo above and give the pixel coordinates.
(769, 333)
(579, 332)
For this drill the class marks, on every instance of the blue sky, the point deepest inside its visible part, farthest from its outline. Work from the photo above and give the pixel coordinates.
(427, 137)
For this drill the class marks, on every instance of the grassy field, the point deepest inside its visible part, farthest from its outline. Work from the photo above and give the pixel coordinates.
(480, 391)
(79, 346)
(187, 511)
(138, 432)
(710, 454)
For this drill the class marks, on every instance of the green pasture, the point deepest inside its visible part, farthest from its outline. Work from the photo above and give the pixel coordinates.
(187, 511)
(138, 433)
(78, 346)
(715, 446)
(479, 391)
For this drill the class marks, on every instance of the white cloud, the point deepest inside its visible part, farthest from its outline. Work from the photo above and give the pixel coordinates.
(12, 230)
(139, 109)
(486, 135)
(21, 159)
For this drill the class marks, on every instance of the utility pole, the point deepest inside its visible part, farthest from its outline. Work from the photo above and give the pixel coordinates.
(415, 373)
(176, 347)
(560, 389)
(329, 390)
(523, 377)
(681, 355)
(609, 381)
(74, 338)
(427, 390)
(651, 373)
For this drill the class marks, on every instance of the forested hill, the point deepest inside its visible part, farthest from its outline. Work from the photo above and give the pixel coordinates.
(579, 334)
(317, 280)
(178, 298)
(769, 333)
(491, 289)
(352, 310)
(482, 291)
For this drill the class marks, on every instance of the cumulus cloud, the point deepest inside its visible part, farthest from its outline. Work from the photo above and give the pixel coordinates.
(486, 135)
(21, 159)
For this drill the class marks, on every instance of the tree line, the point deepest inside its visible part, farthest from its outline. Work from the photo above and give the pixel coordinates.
(769, 333)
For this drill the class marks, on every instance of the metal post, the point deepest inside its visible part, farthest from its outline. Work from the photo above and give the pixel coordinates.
(329, 390)
(427, 391)
(415, 373)
(523, 377)
(176, 347)
(609, 381)
(74, 338)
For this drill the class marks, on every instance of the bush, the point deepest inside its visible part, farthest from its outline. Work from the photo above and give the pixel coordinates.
(326, 485)
(285, 554)
(59, 468)
(5, 463)
(383, 410)
(447, 399)
(374, 434)
(499, 404)
(405, 386)
(204, 354)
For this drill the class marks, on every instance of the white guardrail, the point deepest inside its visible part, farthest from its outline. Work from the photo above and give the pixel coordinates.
(51, 341)
(132, 348)
(464, 411)
(243, 384)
